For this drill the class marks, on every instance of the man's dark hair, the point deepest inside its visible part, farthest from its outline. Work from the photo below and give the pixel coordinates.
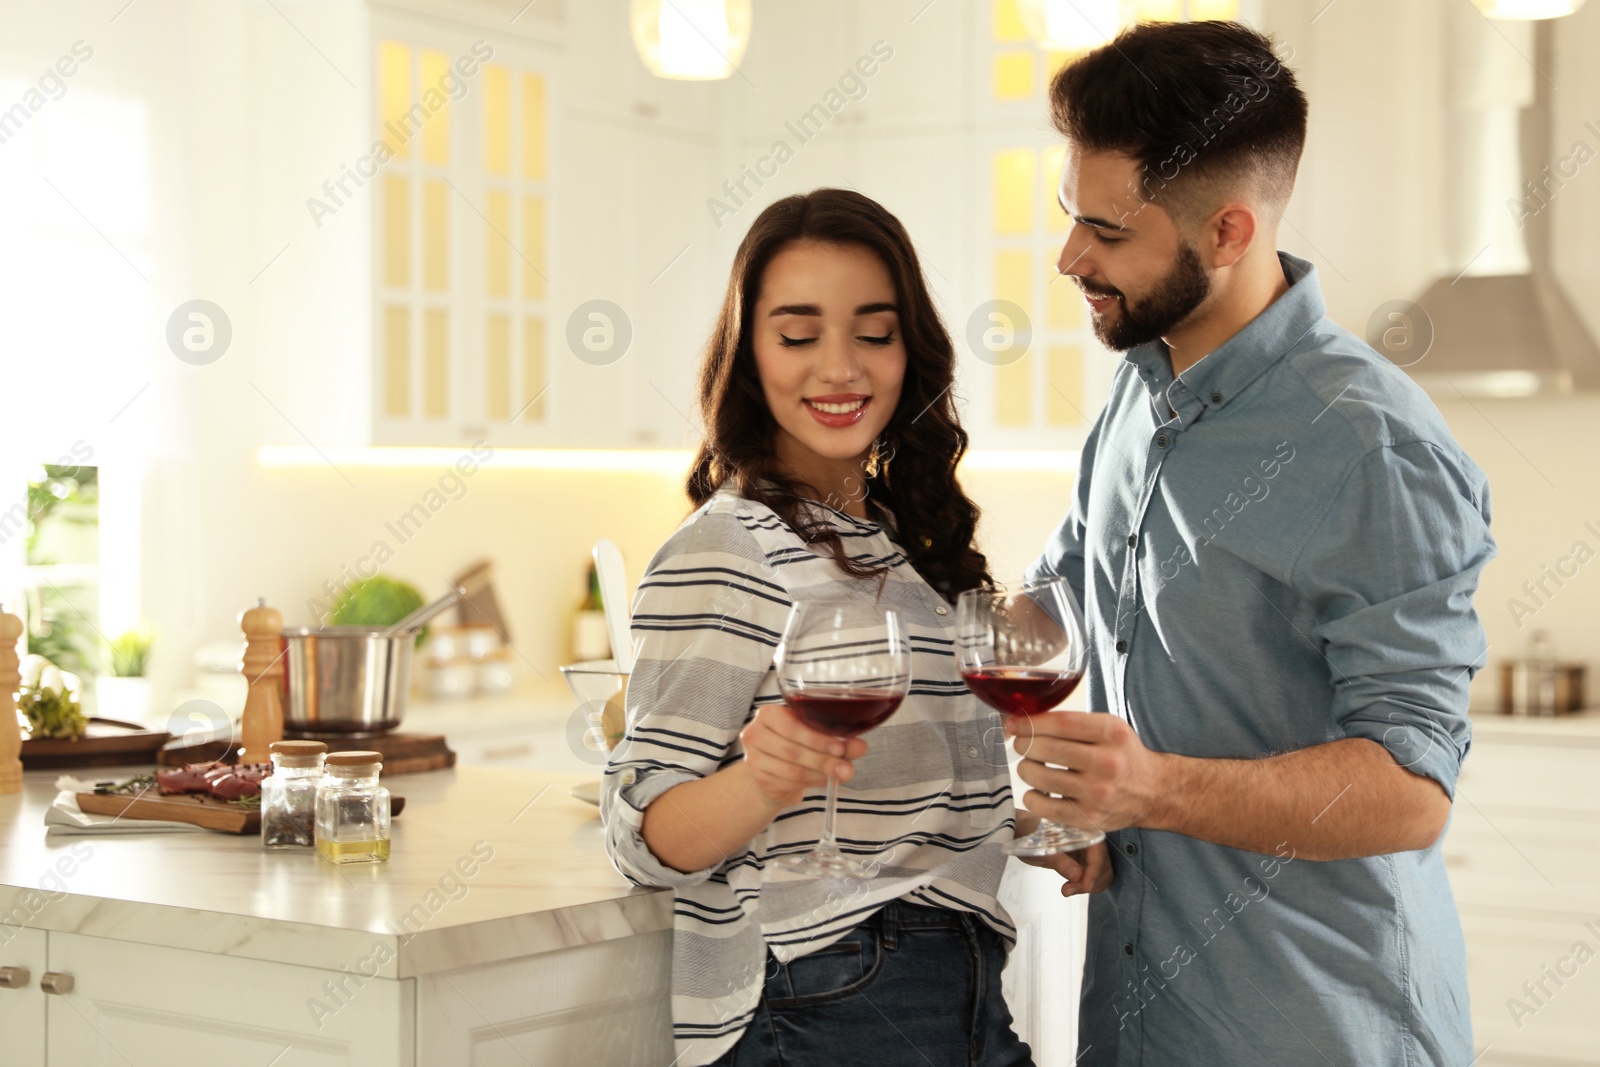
(1206, 109)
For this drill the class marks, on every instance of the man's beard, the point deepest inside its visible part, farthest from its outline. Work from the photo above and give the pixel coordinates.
(1170, 301)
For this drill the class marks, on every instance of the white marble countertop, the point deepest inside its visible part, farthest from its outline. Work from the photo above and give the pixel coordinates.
(539, 880)
(1581, 729)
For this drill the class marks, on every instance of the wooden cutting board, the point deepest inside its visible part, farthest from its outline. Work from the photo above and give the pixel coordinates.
(402, 753)
(209, 812)
(105, 743)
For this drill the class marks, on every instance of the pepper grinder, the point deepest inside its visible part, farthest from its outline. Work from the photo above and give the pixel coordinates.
(10, 732)
(262, 666)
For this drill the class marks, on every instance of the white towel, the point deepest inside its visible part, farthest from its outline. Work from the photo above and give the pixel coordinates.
(64, 817)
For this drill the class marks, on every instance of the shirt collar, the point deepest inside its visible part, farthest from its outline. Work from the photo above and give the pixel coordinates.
(842, 521)
(817, 510)
(1224, 373)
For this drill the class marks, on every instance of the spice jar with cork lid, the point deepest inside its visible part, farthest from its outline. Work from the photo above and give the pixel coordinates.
(289, 794)
(352, 809)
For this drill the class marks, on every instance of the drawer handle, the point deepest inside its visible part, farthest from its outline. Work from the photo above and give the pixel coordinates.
(14, 977)
(56, 982)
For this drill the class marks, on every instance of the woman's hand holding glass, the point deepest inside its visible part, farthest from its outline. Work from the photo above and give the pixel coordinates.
(787, 759)
(843, 666)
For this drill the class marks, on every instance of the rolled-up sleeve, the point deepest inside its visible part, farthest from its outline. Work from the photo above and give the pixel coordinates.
(707, 619)
(1389, 572)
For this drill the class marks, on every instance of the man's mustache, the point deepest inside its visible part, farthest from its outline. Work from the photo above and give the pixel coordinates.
(1097, 293)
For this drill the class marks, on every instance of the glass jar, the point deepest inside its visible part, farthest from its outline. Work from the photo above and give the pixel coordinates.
(289, 794)
(352, 809)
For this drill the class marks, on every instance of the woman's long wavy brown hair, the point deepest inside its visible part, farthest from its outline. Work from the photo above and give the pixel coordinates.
(914, 473)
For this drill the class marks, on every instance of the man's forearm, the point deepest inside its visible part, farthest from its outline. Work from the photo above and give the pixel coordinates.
(1338, 800)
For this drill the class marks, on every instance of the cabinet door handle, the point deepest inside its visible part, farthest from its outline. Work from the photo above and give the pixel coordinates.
(14, 977)
(56, 982)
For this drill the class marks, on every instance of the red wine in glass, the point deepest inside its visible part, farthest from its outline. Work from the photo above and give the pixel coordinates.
(1022, 650)
(1021, 690)
(844, 712)
(844, 666)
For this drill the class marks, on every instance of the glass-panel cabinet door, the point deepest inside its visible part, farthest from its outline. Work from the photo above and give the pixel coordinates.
(1040, 375)
(461, 238)
(416, 395)
(515, 295)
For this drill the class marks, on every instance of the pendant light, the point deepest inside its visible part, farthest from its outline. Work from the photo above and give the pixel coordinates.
(1527, 9)
(691, 40)
(1075, 25)
(1070, 25)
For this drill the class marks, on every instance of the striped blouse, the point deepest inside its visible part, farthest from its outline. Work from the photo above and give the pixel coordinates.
(928, 809)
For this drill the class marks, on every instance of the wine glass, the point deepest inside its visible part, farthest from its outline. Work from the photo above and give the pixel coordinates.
(1021, 650)
(843, 668)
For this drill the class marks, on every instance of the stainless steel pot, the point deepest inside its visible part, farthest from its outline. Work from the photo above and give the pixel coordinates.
(346, 679)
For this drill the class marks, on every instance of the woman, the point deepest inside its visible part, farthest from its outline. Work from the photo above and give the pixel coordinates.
(828, 471)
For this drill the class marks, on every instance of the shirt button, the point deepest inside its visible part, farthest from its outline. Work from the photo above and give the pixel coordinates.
(940, 611)
(972, 750)
(1131, 849)
(1122, 646)
(1216, 398)
(1127, 949)
(627, 777)
(1133, 539)
(1161, 440)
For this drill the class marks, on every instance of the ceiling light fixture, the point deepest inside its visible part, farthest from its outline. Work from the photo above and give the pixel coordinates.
(1527, 9)
(691, 40)
(1075, 25)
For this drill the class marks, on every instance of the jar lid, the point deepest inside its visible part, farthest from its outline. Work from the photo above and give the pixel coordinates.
(353, 758)
(298, 748)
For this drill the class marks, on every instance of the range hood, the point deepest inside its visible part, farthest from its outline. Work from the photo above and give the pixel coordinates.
(1503, 324)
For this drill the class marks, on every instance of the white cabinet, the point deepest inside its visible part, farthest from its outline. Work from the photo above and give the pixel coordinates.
(408, 182)
(1523, 853)
(470, 249)
(147, 1006)
(461, 240)
(607, 1003)
(22, 1008)
(522, 730)
(532, 747)
(1507, 961)
(134, 1005)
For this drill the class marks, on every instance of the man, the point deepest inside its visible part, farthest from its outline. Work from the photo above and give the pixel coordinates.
(1276, 542)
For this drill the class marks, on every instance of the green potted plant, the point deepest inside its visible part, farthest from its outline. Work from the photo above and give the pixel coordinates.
(124, 692)
(48, 701)
(376, 601)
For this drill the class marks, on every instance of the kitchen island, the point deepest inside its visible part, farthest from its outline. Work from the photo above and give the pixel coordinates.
(498, 933)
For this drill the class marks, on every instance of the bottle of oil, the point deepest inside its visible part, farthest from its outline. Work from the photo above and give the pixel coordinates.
(352, 809)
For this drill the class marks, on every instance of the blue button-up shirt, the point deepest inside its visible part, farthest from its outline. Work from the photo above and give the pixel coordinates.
(1277, 549)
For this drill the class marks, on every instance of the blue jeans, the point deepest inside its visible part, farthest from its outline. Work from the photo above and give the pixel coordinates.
(911, 985)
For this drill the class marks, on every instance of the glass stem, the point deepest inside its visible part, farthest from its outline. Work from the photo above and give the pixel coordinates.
(827, 843)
